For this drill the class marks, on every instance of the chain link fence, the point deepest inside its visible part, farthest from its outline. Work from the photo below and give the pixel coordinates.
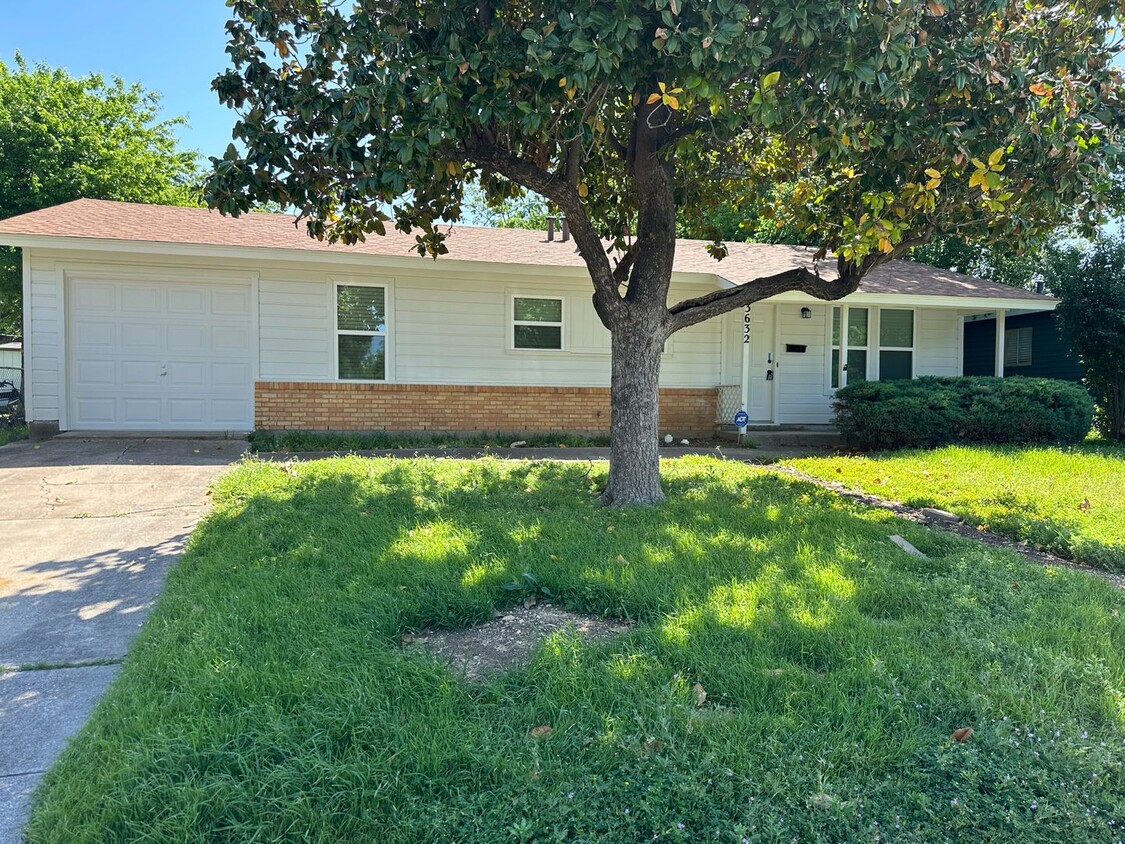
(11, 395)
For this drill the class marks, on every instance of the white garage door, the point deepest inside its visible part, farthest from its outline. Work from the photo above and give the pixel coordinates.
(152, 356)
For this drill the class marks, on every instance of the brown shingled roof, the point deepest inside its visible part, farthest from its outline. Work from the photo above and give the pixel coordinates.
(121, 221)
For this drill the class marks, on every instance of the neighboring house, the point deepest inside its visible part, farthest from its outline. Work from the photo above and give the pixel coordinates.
(1033, 346)
(165, 319)
(11, 355)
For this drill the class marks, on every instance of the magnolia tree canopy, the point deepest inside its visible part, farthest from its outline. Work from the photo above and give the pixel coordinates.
(892, 121)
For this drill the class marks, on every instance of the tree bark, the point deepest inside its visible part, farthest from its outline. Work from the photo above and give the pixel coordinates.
(634, 453)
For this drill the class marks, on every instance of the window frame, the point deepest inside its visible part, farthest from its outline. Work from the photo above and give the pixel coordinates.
(845, 311)
(913, 349)
(386, 333)
(1017, 363)
(513, 322)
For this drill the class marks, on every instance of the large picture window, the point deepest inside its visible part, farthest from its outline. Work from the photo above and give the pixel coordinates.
(361, 332)
(896, 344)
(856, 364)
(537, 323)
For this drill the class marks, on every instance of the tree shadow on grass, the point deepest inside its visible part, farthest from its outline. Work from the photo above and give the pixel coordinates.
(272, 682)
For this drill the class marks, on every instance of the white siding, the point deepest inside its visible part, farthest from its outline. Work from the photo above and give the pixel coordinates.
(937, 342)
(42, 346)
(295, 334)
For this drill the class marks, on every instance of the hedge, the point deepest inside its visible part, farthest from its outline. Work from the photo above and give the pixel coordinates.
(928, 412)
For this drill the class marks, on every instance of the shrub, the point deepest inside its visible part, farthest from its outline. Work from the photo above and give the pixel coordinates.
(928, 412)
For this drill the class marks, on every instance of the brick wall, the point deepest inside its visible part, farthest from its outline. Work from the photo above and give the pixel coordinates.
(319, 406)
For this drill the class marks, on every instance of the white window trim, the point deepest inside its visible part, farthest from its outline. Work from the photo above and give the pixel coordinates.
(387, 333)
(845, 346)
(912, 349)
(1015, 346)
(513, 322)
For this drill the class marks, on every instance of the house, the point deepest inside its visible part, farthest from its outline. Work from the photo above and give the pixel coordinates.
(1033, 346)
(145, 318)
(11, 355)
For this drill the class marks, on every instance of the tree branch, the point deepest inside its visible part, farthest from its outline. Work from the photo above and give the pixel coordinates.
(800, 279)
(607, 300)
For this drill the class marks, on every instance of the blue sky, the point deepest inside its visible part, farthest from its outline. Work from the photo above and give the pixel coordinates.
(174, 47)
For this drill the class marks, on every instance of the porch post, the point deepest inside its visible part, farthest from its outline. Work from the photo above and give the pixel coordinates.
(1001, 324)
(746, 340)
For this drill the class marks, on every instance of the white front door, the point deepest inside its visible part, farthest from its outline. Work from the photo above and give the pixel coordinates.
(763, 357)
(152, 356)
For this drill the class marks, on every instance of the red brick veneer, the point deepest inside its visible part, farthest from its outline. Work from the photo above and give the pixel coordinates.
(321, 406)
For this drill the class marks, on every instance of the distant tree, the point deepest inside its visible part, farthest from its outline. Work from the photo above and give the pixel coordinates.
(527, 211)
(1090, 282)
(894, 121)
(64, 138)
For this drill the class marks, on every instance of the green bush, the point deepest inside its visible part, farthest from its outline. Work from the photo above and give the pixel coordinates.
(928, 412)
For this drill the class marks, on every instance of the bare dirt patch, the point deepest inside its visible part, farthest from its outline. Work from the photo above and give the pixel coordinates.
(509, 639)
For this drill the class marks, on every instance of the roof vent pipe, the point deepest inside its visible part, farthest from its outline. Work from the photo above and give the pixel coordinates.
(1040, 283)
(550, 227)
(565, 230)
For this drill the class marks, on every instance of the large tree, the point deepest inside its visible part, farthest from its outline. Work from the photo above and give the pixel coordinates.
(64, 138)
(1090, 281)
(893, 120)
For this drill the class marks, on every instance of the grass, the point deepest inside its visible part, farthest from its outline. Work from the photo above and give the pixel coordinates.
(12, 434)
(267, 698)
(1037, 494)
(265, 441)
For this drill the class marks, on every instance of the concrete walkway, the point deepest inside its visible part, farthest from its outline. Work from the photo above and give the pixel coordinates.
(88, 529)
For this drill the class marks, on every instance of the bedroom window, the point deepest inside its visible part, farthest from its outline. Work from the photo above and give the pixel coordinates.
(1017, 346)
(896, 344)
(361, 332)
(856, 364)
(537, 322)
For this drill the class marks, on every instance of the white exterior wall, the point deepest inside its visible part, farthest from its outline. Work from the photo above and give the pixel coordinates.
(11, 358)
(43, 338)
(938, 342)
(804, 395)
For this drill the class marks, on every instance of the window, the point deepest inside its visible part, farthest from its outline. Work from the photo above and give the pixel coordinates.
(361, 332)
(537, 323)
(1017, 346)
(896, 344)
(856, 364)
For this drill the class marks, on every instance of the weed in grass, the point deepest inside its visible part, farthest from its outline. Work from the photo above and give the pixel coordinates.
(1068, 500)
(268, 698)
(11, 434)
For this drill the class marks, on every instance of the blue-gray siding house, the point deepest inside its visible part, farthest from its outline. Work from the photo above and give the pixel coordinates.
(1034, 346)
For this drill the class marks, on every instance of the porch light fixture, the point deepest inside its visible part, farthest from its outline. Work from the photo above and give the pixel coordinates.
(806, 313)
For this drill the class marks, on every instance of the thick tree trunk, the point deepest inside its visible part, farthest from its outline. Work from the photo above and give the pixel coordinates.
(634, 449)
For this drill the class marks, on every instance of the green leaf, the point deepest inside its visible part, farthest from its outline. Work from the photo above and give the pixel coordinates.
(770, 79)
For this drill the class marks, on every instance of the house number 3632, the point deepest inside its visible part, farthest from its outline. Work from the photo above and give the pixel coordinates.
(746, 325)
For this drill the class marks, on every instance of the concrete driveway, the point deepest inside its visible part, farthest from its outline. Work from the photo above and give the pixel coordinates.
(88, 529)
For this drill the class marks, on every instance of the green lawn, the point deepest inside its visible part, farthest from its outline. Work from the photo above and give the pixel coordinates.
(1038, 494)
(267, 698)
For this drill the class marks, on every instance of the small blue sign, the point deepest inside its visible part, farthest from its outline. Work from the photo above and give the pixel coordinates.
(741, 418)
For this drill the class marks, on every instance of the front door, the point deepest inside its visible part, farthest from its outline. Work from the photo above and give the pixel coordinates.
(763, 358)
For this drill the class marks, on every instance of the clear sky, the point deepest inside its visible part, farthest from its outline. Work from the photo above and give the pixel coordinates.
(174, 47)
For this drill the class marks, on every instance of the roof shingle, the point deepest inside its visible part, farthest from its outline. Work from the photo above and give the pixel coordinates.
(121, 221)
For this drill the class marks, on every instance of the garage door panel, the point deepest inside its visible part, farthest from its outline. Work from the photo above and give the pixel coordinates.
(230, 302)
(91, 336)
(184, 301)
(96, 411)
(141, 299)
(230, 412)
(141, 412)
(141, 337)
(96, 372)
(91, 296)
(140, 373)
(230, 339)
(187, 339)
(153, 356)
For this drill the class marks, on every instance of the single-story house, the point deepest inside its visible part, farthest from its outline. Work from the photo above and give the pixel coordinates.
(1033, 346)
(146, 318)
